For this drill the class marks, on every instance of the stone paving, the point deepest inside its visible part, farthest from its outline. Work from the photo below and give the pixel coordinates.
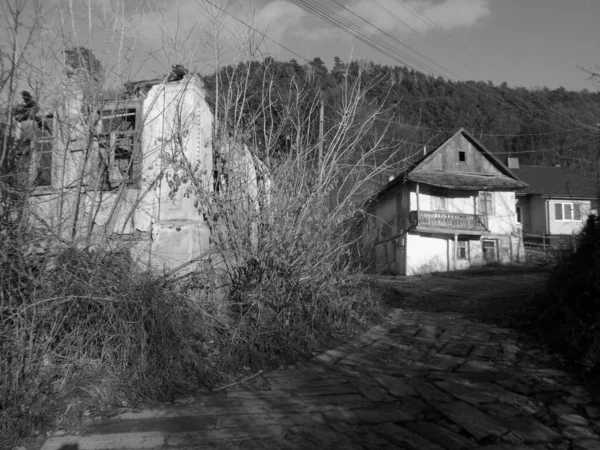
(420, 380)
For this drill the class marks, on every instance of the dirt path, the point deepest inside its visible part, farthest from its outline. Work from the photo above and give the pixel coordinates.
(437, 374)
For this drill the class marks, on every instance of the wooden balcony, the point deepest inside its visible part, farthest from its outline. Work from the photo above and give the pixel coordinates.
(445, 222)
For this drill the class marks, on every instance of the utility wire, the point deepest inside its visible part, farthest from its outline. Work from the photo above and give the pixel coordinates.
(425, 19)
(256, 30)
(365, 36)
(374, 42)
(399, 42)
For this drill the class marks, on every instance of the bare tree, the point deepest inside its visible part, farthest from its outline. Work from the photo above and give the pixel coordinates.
(278, 272)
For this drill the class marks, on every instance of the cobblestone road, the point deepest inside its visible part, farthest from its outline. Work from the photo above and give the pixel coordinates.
(423, 379)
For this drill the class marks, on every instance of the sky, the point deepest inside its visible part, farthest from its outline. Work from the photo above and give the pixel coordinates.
(530, 43)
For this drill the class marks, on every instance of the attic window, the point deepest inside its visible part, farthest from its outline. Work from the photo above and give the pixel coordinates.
(462, 156)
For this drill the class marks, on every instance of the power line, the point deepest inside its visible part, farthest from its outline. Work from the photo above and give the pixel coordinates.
(406, 6)
(367, 38)
(375, 43)
(256, 30)
(393, 38)
(421, 127)
(428, 22)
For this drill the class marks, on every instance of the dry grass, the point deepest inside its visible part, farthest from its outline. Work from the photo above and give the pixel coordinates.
(81, 331)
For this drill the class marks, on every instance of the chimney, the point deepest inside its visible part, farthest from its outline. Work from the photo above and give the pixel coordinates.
(513, 163)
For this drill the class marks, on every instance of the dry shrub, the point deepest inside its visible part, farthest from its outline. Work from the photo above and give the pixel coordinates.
(291, 283)
(282, 313)
(281, 226)
(80, 330)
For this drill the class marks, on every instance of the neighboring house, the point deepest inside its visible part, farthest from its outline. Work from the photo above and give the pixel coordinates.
(128, 181)
(452, 209)
(556, 201)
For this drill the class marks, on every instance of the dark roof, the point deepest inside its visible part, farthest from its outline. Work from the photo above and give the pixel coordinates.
(464, 181)
(555, 182)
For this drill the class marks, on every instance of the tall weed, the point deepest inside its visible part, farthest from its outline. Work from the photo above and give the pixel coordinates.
(80, 330)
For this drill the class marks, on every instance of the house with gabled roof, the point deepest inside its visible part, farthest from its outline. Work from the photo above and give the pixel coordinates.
(452, 209)
(557, 201)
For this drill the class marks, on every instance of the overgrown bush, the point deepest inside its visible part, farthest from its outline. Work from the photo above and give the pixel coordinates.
(83, 331)
(80, 330)
(569, 310)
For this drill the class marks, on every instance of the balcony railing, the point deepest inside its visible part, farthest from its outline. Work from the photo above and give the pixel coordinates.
(451, 221)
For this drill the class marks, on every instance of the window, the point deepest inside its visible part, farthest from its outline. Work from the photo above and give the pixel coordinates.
(485, 203)
(438, 198)
(118, 147)
(519, 214)
(462, 250)
(567, 211)
(462, 156)
(43, 142)
(489, 250)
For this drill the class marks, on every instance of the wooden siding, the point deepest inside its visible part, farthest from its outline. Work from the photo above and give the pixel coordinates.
(452, 221)
(446, 159)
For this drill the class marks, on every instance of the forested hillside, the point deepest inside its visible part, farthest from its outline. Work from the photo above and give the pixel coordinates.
(541, 126)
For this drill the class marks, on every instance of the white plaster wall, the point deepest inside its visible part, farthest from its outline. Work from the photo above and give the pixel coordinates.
(424, 199)
(568, 226)
(509, 249)
(460, 264)
(176, 123)
(461, 202)
(426, 254)
(174, 114)
(45, 207)
(504, 219)
(457, 201)
(176, 137)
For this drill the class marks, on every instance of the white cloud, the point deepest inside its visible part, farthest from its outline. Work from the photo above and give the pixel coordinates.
(185, 29)
(279, 18)
(284, 21)
(280, 10)
(415, 16)
(180, 27)
(459, 13)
